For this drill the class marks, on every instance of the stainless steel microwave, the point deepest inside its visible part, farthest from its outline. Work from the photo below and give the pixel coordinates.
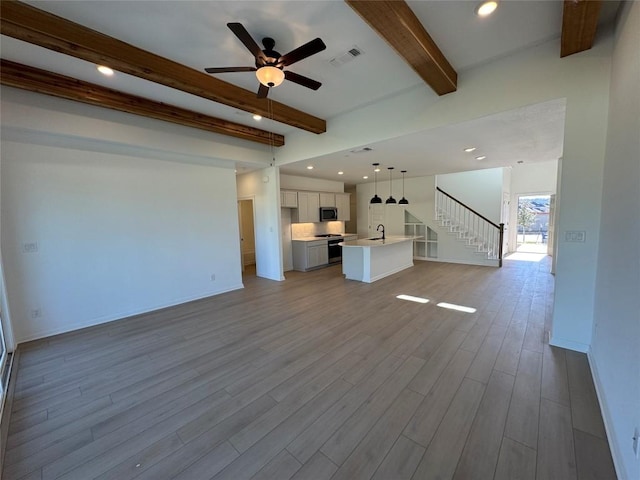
(328, 214)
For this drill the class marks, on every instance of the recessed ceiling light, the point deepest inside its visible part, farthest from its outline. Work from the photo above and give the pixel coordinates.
(481, 157)
(486, 8)
(309, 167)
(365, 177)
(340, 173)
(105, 70)
(469, 149)
(520, 161)
(377, 169)
(362, 150)
(257, 117)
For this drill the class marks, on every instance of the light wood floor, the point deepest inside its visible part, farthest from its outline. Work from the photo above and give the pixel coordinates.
(314, 378)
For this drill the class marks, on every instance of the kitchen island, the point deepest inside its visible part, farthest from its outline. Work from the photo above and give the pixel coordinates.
(368, 260)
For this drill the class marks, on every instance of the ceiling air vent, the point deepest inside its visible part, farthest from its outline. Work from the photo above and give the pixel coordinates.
(362, 150)
(346, 57)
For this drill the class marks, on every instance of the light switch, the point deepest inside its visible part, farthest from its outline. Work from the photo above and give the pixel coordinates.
(31, 247)
(575, 236)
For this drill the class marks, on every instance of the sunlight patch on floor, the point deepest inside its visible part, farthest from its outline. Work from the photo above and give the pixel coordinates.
(532, 248)
(459, 308)
(526, 257)
(411, 298)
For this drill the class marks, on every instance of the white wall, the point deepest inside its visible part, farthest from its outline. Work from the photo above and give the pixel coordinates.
(116, 235)
(294, 182)
(579, 207)
(263, 186)
(479, 189)
(7, 328)
(530, 178)
(532, 76)
(420, 191)
(63, 123)
(615, 350)
(287, 249)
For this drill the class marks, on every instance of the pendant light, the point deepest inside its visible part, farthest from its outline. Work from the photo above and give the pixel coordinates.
(375, 198)
(390, 199)
(403, 201)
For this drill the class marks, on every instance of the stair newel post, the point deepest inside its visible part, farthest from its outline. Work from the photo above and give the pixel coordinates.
(500, 245)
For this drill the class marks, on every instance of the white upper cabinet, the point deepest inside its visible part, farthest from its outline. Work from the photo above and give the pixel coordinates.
(307, 205)
(288, 199)
(308, 210)
(344, 208)
(327, 199)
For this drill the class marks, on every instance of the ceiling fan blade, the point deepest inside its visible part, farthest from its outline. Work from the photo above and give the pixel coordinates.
(302, 52)
(248, 41)
(229, 69)
(302, 80)
(263, 91)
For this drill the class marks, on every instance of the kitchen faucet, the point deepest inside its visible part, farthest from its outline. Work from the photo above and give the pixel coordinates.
(378, 229)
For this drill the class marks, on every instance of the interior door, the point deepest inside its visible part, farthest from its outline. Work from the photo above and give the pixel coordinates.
(3, 363)
(241, 236)
(247, 232)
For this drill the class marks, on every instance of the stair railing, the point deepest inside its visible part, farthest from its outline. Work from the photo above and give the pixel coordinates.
(470, 225)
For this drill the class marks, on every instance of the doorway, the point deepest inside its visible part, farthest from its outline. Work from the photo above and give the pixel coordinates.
(533, 222)
(506, 200)
(6, 344)
(3, 365)
(247, 236)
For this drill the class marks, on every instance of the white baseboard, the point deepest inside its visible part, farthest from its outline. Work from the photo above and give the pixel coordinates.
(606, 418)
(479, 262)
(120, 315)
(569, 344)
(391, 272)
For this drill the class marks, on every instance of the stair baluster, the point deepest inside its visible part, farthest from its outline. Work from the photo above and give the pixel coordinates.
(469, 226)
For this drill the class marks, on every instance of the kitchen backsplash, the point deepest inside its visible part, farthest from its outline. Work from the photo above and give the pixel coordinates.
(301, 230)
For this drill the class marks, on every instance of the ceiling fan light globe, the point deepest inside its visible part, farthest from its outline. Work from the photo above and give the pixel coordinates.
(270, 76)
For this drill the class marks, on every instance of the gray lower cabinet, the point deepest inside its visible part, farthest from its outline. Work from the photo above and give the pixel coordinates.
(309, 255)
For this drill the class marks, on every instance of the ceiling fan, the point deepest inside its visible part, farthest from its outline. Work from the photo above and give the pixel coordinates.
(270, 64)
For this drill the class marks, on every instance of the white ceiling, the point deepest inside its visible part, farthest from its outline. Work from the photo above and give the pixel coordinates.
(194, 33)
(532, 133)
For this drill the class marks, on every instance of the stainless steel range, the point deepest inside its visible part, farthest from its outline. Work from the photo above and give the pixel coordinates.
(335, 250)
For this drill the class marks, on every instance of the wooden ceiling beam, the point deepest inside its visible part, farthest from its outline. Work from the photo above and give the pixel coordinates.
(398, 25)
(42, 81)
(579, 25)
(38, 27)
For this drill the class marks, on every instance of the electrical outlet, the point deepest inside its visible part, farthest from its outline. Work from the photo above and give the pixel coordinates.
(636, 439)
(213, 277)
(36, 313)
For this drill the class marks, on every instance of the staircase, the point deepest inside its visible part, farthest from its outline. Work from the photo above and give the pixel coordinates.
(469, 227)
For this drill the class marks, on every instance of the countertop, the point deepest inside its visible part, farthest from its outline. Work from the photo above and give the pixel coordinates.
(365, 242)
(315, 239)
